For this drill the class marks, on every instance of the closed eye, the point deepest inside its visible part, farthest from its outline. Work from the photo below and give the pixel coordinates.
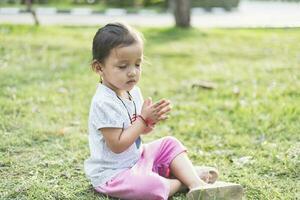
(122, 66)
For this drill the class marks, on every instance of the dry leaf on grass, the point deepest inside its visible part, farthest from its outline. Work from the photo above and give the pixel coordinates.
(204, 85)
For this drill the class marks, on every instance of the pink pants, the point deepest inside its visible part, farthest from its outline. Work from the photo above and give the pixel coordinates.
(147, 179)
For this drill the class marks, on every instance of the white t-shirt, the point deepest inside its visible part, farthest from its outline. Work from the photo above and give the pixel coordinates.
(107, 110)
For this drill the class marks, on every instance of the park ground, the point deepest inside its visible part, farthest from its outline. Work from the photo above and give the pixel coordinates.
(245, 123)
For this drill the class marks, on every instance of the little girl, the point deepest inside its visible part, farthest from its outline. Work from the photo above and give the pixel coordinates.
(120, 165)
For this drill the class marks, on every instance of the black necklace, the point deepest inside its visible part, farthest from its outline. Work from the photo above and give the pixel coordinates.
(133, 118)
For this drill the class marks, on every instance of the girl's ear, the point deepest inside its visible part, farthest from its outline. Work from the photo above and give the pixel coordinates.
(97, 66)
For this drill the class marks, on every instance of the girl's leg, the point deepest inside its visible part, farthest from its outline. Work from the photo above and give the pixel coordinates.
(207, 174)
(175, 186)
(135, 185)
(183, 169)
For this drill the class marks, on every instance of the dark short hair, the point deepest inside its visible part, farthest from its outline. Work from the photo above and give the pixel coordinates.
(111, 36)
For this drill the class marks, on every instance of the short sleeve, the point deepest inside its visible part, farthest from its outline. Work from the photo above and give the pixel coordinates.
(106, 115)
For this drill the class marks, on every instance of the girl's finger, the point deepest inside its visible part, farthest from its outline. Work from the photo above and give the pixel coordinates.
(158, 103)
(163, 105)
(164, 111)
(146, 102)
(163, 117)
(150, 101)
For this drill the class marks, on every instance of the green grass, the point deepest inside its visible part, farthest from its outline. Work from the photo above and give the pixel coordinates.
(46, 86)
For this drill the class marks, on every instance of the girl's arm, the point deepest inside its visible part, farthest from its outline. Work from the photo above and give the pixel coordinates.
(118, 140)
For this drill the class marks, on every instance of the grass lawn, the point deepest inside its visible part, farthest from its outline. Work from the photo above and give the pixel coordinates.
(248, 126)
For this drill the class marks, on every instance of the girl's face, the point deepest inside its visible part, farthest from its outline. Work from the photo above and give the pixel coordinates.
(122, 68)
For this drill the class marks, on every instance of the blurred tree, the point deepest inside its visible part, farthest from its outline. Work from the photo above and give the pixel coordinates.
(182, 12)
(29, 9)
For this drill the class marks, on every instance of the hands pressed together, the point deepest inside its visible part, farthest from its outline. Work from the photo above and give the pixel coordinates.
(155, 112)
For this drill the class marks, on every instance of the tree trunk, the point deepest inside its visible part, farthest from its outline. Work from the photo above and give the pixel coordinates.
(29, 9)
(182, 13)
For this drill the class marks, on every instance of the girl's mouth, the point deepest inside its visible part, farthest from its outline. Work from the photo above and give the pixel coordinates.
(131, 81)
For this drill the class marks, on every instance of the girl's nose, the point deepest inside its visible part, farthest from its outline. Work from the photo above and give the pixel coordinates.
(132, 71)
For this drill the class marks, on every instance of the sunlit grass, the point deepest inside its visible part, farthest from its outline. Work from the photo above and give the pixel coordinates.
(248, 126)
